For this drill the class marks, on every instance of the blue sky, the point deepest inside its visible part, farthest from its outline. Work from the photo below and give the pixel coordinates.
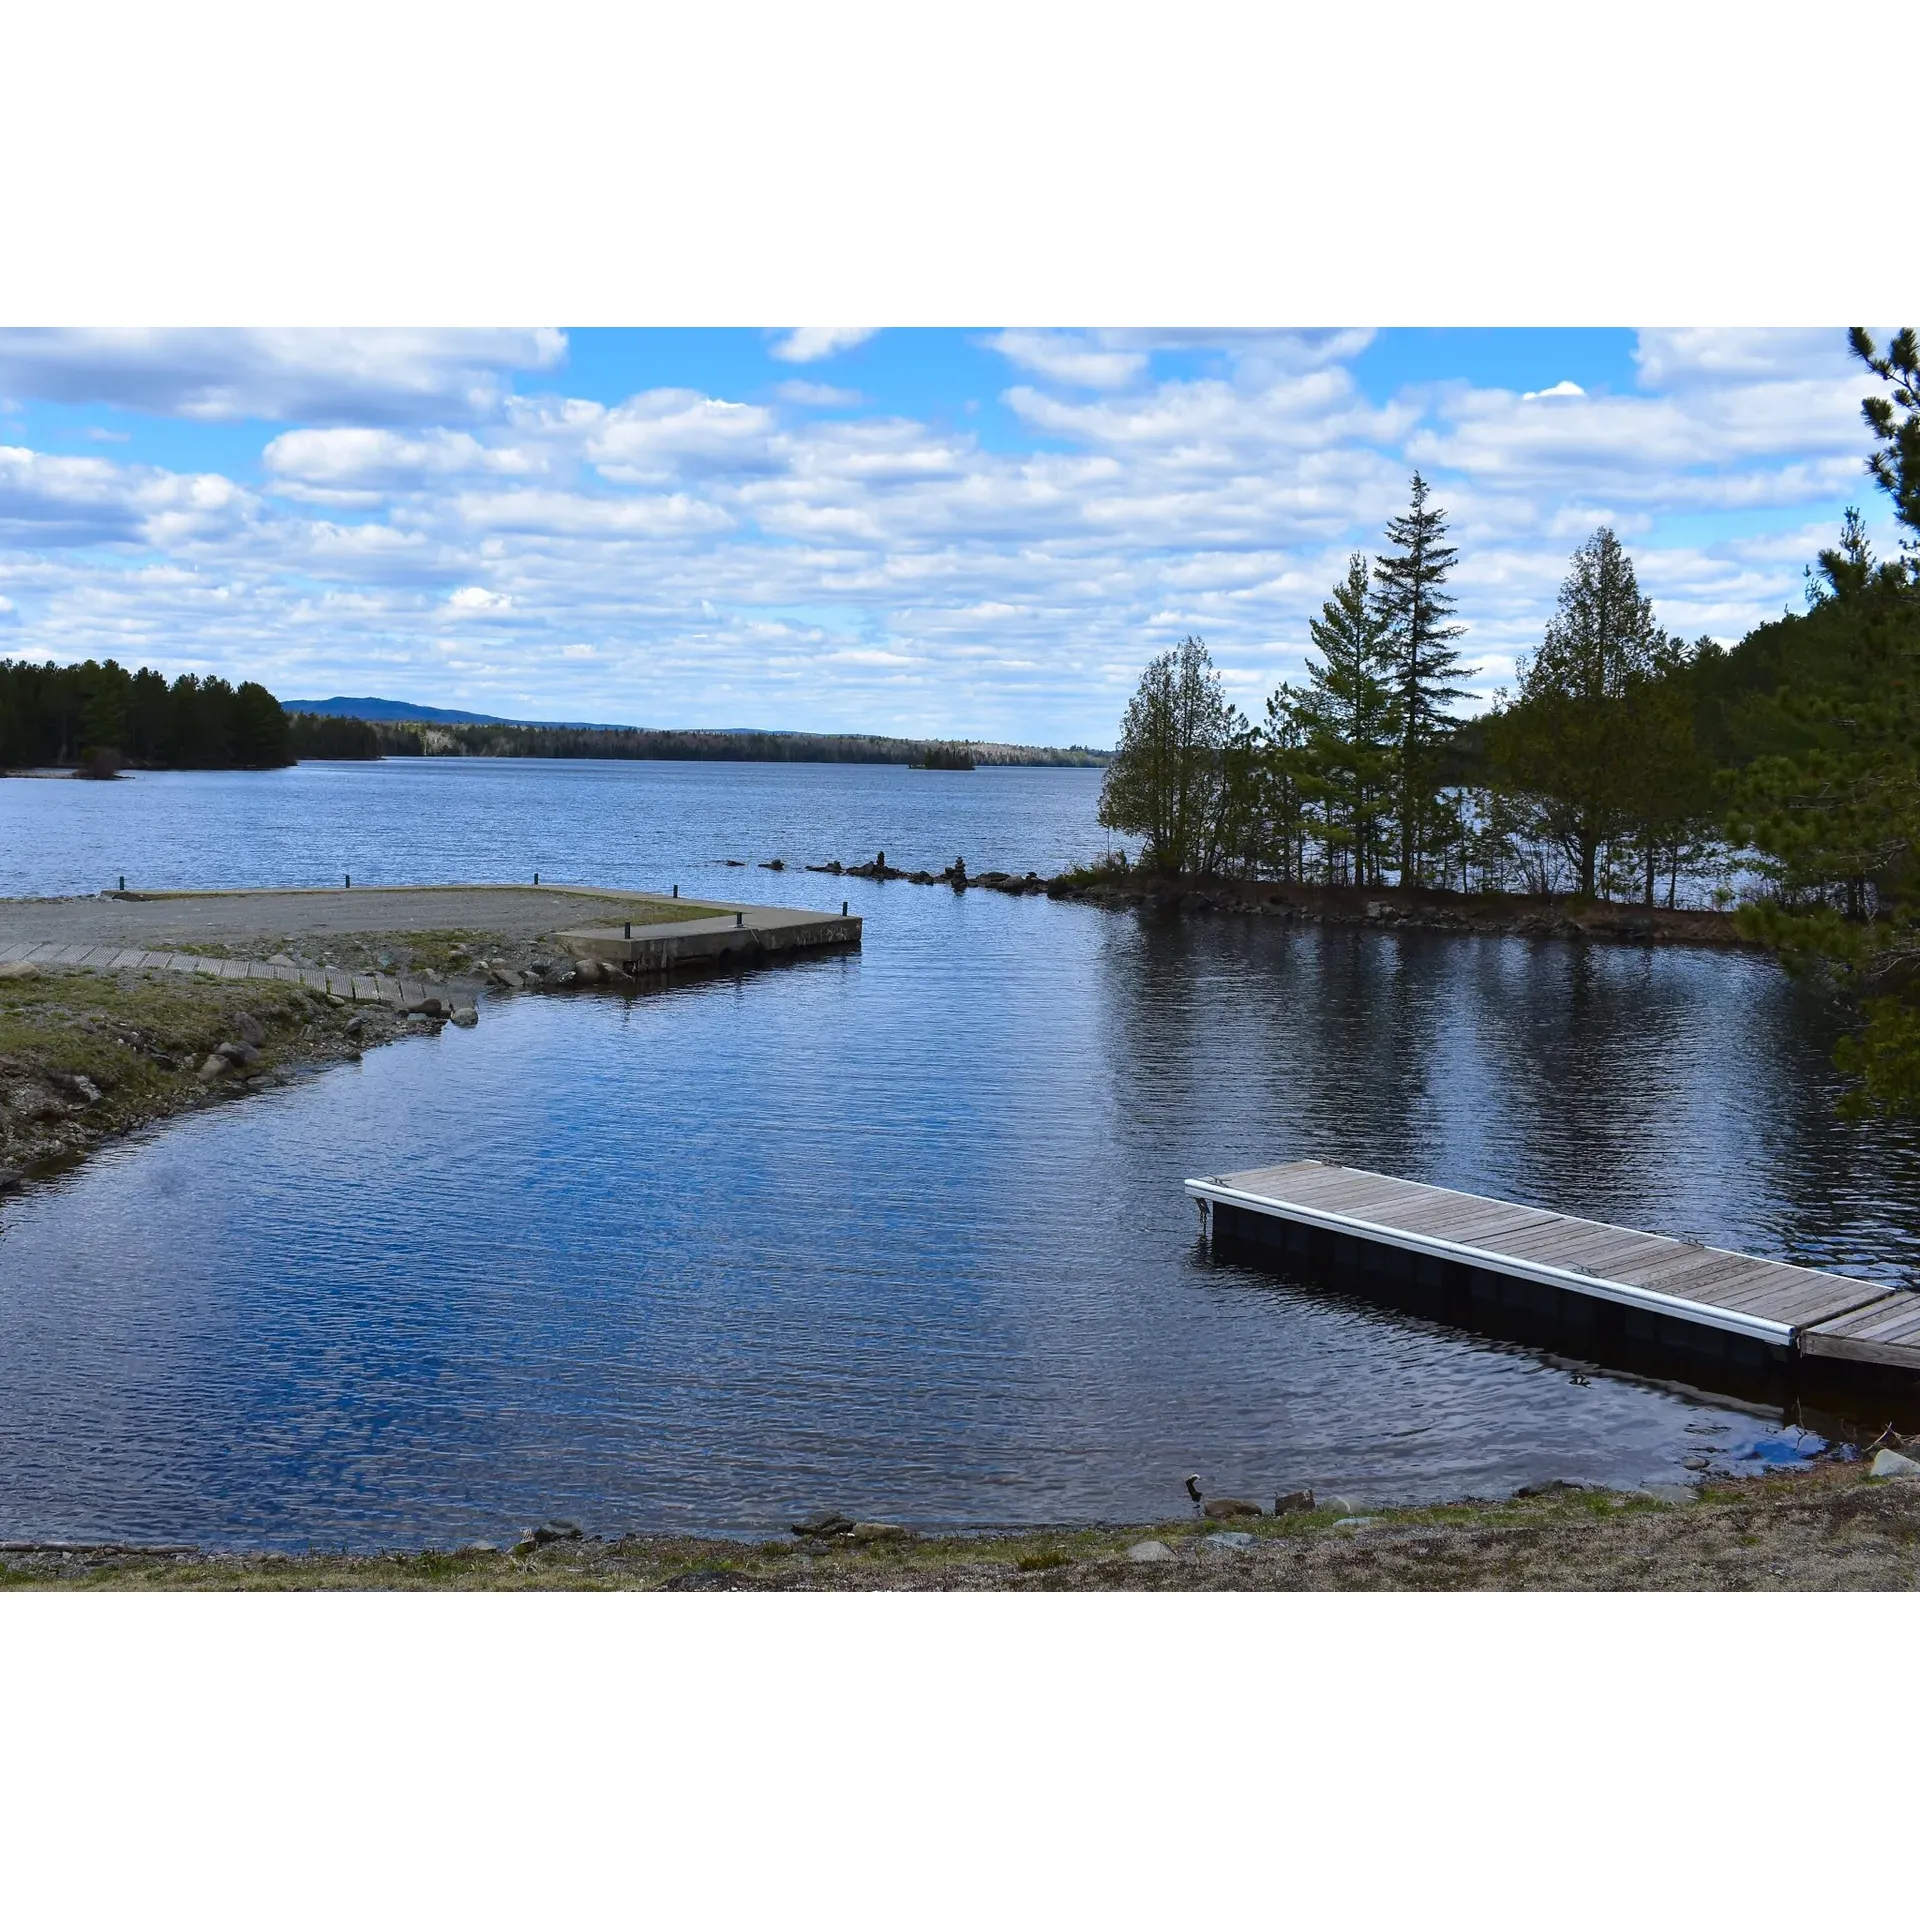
(980, 532)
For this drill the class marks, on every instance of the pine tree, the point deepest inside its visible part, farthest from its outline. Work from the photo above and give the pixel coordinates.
(1411, 602)
(1582, 737)
(1347, 712)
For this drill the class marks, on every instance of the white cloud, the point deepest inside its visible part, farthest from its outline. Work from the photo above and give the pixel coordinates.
(656, 435)
(806, 344)
(479, 600)
(1560, 390)
(1069, 359)
(276, 373)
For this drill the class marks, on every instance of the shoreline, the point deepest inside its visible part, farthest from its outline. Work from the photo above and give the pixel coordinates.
(1829, 1526)
(1388, 909)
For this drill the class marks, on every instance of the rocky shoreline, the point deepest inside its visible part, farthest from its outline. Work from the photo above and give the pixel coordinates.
(1526, 916)
(1843, 1526)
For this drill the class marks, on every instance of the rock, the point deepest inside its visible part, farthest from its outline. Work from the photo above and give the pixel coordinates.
(774, 866)
(504, 977)
(213, 1066)
(249, 1029)
(590, 972)
(547, 1532)
(1695, 1465)
(241, 1052)
(1887, 1463)
(10, 1177)
(19, 970)
(464, 1017)
(1226, 1543)
(281, 960)
(357, 1025)
(430, 1006)
(1301, 1502)
(1148, 1552)
(1353, 1523)
(480, 1546)
(1332, 1503)
(821, 1526)
(1539, 1489)
(872, 1532)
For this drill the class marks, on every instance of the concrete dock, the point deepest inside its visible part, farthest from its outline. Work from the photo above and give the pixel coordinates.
(1462, 1256)
(729, 936)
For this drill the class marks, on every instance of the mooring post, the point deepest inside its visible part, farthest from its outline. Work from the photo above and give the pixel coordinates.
(739, 919)
(536, 876)
(676, 889)
(843, 909)
(628, 933)
(349, 880)
(123, 883)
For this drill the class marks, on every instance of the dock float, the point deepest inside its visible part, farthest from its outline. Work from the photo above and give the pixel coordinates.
(730, 935)
(1467, 1257)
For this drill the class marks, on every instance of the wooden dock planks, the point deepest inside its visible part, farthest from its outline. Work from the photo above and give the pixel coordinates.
(1817, 1312)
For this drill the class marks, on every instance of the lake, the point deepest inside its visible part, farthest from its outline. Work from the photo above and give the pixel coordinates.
(900, 1232)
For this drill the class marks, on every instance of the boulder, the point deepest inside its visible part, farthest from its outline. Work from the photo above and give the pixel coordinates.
(1539, 1489)
(590, 972)
(1301, 1502)
(873, 1532)
(1332, 1503)
(1147, 1552)
(822, 1526)
(249, 1029)
(357, 1025)
(430, 1006)
(464, 1017)
(19, 970)
(241, 1053)
(213, 1066)
(1226, 1543)
(1353, 1523)
(1887, 1463)
(547, 1532)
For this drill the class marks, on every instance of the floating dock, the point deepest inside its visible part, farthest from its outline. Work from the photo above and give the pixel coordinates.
(730, 935)
(1466, 1257)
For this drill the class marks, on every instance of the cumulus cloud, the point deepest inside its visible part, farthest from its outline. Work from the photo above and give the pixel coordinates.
(805, 344)
(1069, 359)
(1560, 390)
(277, 373)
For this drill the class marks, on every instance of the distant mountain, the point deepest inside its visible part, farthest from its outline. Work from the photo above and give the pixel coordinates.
(348, 708)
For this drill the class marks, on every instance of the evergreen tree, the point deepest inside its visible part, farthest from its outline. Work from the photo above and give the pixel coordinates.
(1347, 716)
(1164, 779)
(1412, 604)
(1895, 423)
(1579, 740)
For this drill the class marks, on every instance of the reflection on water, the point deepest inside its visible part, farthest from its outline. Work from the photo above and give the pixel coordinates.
(900, 1232)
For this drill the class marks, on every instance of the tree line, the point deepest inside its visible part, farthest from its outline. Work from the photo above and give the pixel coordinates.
(1622, 763)
(335, 738)
(96, 717)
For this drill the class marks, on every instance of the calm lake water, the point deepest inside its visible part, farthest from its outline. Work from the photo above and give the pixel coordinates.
(900, 1232)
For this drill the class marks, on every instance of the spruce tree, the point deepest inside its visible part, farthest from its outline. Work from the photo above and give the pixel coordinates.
(1348, 714)
(1412, 604)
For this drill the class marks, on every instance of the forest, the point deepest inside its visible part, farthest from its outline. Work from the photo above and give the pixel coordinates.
(97, 717)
